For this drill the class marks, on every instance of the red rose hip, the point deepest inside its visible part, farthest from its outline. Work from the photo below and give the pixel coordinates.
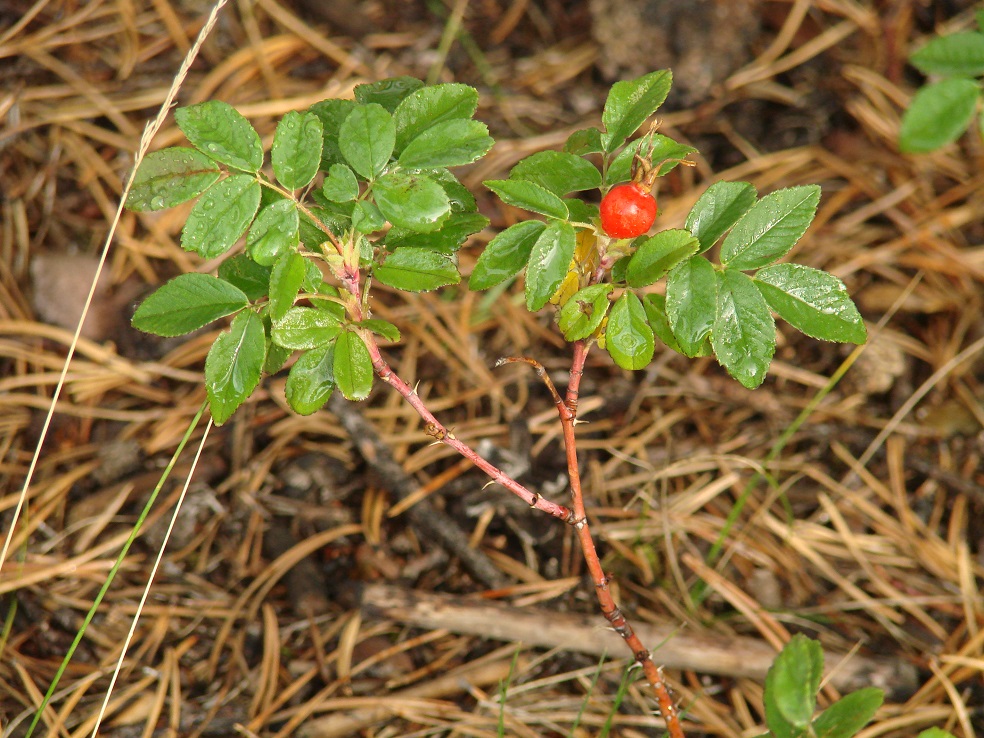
(628, 210)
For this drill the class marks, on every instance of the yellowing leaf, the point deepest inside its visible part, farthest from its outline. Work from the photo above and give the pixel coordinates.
(583, 264)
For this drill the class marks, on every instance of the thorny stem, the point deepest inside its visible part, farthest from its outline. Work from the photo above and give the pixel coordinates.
(575, 516)
(434, 428)
(611, 611)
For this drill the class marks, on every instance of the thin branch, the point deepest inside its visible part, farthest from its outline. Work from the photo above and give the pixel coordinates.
(611, 611)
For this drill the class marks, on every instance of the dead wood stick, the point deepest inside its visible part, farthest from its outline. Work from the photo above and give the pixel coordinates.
(434, 524)
(738, 656)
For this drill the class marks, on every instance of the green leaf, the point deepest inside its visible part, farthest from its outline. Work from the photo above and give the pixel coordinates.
(935, 733)
(812, 301)
(548, 263)
(846, 717)
(417, 270)
(938, 115)
(247, 275)
(450, 143)
(691, 302)
(186, 303)
(584, 142)
(791, 686)
(170, 177)
(388, 93)
(584, 311)
(311, 380)
(770, 228)
(306, 328)
(352, 366)
(429, 106)
(454, 232)
(411, 200)
(331, 113)
(381, 328)
(529, 196)
(655, 305)
(340, 185)
(366, 139)
(620, 168)
(628, 337)
(296, 150)
(580, 211)
(666, 152)
(744, 333)
(505, 255)
(663, 149)
(221, 216)
(276, 357)
(462, 201)
(367, 218)
(220, 132)
(558, 172)
(718, 209)
(657, 255)
(275, 232)
(285, 282)
(629, 104)
(234, 365)
(956, 55)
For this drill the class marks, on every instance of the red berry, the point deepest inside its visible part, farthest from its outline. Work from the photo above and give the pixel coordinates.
(628, 210)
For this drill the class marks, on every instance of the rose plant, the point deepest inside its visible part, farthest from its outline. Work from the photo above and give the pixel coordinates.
(360, 191)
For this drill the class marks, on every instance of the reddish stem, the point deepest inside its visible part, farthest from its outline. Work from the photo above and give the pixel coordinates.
(576, 517)
(611, 611)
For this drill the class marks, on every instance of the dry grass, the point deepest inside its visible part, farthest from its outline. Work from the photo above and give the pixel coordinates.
(869, 537)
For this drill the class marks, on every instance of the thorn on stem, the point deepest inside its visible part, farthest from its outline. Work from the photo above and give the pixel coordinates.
(435, 431)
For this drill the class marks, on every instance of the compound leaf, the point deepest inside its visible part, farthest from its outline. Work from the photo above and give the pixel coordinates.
(548, 262)
(187, 303)
(285, 282)
(352, 366)
(744, 332)
(584, 311)
(655, 256)
(955, 55)
(770, 228)
(628, 336)
(431, 105)
(718, 209)
(170, 177)
(221, 132)
(629, 104)
(275, 232)
(234, 365)
(311, 380)
(558, 172)
(691, 302)
(411, 200)
(846, 717)
(306, 328)
(417, 270)
(505, 255)
(812, 301)
(296, 150)
(221, 216)
(938, 115)
(449, 143)
(366, 139)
